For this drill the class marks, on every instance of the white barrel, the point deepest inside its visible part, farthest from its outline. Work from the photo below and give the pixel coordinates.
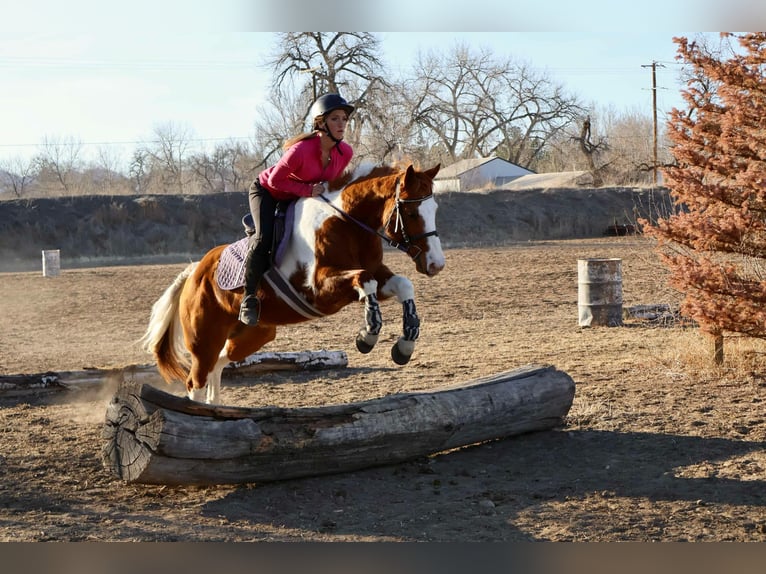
(599, 292)
(51, 262)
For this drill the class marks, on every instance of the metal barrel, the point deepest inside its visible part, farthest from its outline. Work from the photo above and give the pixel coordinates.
(599, 292)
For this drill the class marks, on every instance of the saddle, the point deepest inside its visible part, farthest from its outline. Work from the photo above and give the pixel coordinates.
(230, 273)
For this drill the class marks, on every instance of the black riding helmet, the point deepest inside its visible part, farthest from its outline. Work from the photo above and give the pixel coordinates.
(323, 106)
(327, 103)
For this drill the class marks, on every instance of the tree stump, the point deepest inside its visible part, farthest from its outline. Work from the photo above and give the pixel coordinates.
(153, 437)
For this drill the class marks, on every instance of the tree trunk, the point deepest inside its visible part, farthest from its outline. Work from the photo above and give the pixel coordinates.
(718, 349)
(153, 437)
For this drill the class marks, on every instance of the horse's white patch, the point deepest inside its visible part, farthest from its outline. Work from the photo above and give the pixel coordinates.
(310, 215)
(362, 170)
(368, 288)
(400, 287)
(214, 378)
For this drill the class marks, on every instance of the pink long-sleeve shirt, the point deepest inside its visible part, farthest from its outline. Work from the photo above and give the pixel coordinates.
(300, 167)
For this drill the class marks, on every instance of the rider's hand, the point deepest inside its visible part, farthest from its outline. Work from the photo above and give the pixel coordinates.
(317, 189)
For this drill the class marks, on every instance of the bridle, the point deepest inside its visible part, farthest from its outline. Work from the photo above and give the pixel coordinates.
(412, 250)
(406, 245)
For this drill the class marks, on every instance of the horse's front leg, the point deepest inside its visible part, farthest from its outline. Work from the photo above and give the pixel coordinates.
(373, 319)
(402, 350)
(402, 288)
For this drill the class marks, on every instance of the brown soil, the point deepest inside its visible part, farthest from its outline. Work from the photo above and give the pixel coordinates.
(658, 445)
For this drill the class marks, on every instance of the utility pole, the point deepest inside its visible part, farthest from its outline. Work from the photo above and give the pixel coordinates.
(653, 66)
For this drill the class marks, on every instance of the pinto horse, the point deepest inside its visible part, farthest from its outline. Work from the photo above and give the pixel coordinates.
(334, 256)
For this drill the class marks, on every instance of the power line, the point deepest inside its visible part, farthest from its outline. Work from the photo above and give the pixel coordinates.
(40, 62)
(78, 143)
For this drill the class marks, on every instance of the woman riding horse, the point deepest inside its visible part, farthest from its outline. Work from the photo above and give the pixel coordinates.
(309, 160)
(333, 258)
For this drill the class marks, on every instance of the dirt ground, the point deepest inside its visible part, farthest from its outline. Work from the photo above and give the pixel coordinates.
(658, 445)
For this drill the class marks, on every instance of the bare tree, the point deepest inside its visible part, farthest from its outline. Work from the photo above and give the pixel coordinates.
(307, 64)
(138, 171)
(472, 103)
(615, 146)
(106, 170)
(208, 170)
(275, 122)
(591, 150)
(58, 163)
(338, 62)
(168, 153)
(16, 175)
(238, 164)
(225, 169)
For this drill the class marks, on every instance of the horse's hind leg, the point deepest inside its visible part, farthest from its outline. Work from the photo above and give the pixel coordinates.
(204, 381)
(214, 380)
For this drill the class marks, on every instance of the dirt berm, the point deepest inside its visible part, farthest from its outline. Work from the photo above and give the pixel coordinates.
(90, 230)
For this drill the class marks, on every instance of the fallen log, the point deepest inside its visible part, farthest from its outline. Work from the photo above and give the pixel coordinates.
(255, 363)
(13, 384)
(153, 437)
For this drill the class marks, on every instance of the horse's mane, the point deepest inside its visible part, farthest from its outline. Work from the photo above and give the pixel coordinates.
(366, 170)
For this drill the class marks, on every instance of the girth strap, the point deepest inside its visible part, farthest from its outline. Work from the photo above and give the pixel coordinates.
(289, 295)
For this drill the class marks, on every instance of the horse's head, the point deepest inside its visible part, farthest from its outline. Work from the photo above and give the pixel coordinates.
(411, 219)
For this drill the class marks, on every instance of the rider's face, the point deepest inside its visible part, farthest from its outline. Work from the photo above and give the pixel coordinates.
(336, 122)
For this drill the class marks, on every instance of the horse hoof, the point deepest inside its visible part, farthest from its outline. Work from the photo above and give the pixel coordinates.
(363, 346)
(399, 357)
(402, 351)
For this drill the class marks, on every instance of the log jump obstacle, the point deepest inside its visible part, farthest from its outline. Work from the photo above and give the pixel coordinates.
(153, 437)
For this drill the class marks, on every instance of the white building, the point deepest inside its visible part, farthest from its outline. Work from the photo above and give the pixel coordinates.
(468, 174)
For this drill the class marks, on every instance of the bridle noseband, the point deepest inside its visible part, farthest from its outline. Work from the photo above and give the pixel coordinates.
(406, 245)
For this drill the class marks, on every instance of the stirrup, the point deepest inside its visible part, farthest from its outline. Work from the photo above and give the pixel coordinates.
(250, 310)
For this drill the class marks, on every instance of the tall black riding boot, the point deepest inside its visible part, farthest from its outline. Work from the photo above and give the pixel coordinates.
(255, 266)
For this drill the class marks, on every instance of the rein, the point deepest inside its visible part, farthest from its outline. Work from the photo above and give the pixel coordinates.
(405, 246)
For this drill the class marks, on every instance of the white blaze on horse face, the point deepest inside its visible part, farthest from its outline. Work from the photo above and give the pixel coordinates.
(434, 256)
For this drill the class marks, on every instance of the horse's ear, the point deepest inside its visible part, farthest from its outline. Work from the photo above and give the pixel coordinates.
(408, 174)
(433, 171)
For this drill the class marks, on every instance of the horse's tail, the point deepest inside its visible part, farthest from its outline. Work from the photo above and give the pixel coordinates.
(164, 335)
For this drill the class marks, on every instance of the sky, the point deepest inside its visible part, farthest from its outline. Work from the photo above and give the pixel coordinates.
(108, 79)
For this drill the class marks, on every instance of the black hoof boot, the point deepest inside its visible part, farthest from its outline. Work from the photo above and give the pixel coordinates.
(250, 310)
(365, 341)
(399, 357)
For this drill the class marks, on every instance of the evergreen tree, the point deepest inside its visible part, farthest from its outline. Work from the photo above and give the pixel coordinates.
(715, 243)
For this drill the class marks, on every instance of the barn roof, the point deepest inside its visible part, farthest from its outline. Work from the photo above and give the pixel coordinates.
(550, 180)
(464, 165)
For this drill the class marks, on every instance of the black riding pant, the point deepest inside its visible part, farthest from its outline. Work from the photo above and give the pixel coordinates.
(262, 207)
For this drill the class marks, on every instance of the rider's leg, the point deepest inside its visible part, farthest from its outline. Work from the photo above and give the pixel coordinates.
(262, 206)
